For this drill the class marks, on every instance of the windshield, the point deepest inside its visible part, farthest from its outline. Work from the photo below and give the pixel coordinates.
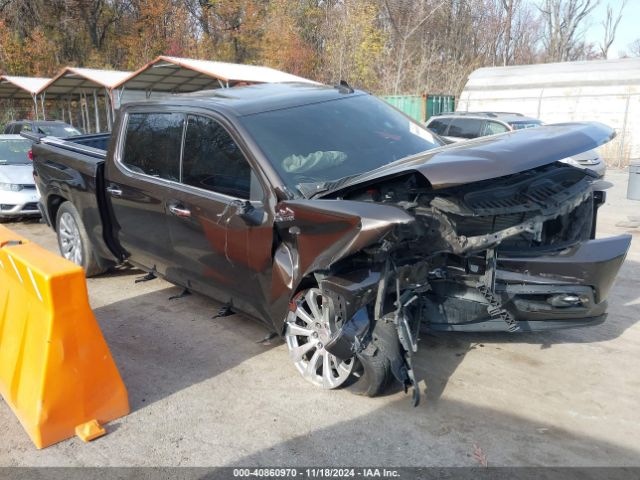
(59, 130)
(527, 124)
(326, 141)
(14, 152)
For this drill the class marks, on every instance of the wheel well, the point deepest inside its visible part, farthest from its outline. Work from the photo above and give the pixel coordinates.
(53, 204)
(307, 282)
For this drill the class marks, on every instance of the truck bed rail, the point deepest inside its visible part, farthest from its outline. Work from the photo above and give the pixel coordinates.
(80, 144)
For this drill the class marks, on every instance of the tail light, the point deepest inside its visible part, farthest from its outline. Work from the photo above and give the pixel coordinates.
(30, 155)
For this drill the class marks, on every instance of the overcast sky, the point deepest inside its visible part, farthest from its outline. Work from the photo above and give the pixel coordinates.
(628, 30)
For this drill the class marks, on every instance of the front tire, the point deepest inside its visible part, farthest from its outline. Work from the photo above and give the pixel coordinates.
(73, 240)
(308, 329)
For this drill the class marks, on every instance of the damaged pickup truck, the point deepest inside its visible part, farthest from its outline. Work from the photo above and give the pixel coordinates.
(337, 221)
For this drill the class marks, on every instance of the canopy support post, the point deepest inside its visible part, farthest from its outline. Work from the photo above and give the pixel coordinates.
(107, 108)
(120, 93)
(69, 108)
(35, 105)
(44, 112)
(86, 111)
(95, 110)
(81, 112)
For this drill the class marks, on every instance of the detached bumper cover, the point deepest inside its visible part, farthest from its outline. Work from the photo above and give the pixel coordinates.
(567, 289)
(594, 263)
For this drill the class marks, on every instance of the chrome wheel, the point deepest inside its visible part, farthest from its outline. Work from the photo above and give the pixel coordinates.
(70, 241)
(308, 330)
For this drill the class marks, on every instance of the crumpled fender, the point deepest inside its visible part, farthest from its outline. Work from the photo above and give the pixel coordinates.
(314, 234)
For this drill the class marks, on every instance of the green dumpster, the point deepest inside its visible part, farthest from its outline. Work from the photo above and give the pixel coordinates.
(422, 107)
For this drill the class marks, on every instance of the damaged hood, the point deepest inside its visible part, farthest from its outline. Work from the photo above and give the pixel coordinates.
(493, 156)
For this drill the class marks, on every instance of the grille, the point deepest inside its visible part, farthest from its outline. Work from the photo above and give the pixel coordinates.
(30, 206)
(526, 192)
(491, 206)
(482, 225)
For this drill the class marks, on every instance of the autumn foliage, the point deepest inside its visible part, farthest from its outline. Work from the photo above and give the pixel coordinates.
(386, 46)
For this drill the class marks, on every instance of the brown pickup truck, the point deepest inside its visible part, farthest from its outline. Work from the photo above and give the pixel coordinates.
(339, 222)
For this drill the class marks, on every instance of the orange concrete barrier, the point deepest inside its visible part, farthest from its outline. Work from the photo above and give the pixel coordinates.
(56, 371)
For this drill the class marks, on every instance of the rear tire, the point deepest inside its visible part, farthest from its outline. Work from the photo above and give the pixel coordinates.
(73, 240)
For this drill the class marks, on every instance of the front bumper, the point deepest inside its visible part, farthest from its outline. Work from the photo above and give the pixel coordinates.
(19, 204)
(533, 289)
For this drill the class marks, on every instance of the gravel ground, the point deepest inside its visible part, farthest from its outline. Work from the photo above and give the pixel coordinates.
(206, 392)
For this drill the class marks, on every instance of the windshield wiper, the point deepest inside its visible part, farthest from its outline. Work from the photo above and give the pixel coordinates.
(312, 189)
(309, 189)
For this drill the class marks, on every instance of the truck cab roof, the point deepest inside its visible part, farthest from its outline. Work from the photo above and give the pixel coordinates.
(252, 99)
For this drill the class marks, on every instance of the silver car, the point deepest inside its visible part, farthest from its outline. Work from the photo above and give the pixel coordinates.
(460, 126)
(18, 194)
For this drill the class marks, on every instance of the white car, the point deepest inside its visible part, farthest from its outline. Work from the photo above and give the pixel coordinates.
(461, 126)
(18, 194)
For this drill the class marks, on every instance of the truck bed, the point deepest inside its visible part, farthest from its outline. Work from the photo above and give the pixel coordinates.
(72, 169)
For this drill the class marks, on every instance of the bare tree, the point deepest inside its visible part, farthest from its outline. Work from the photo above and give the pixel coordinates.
(405, 22)
(634, 48)
(610, 25)
(508, 8)
(563, 20)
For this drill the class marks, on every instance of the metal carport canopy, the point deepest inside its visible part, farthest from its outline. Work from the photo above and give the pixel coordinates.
(22, 88)
(72, 80)
(82, 82)
(173, 74)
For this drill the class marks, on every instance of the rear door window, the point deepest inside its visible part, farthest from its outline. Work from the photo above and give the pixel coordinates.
(493, 128)
(152, 144)
(439, 126)
(465, 128)
(213, 161)
(522, 125)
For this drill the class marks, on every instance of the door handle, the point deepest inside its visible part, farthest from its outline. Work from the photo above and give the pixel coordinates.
(179, 211)
(114, 191)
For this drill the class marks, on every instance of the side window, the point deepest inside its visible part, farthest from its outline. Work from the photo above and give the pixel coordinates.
(493, 128)
(465, 128)
(152, 144)
(212, 160)
(439, 126)
(25, 127)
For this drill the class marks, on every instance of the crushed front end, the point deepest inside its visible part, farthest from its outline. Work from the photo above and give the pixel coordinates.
(516, 253)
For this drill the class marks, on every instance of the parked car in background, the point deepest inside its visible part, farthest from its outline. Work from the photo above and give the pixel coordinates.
(55, 128)
(18, 194)
(460, 126)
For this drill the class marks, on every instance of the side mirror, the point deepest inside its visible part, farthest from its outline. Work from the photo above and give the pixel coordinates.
(245, 210)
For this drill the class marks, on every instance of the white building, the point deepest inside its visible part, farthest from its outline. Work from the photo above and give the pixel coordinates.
(606, 91)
